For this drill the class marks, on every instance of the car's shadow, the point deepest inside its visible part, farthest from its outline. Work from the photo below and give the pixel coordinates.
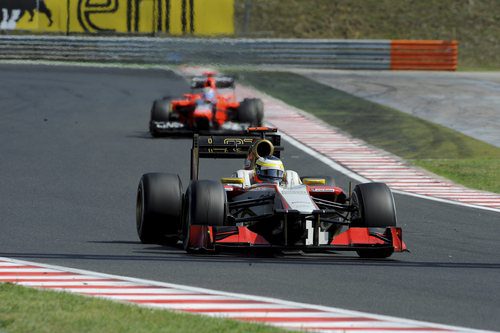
(176, 254)
(147, 136)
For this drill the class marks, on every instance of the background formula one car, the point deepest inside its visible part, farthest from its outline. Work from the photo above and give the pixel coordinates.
(205, 108)
(297, 214)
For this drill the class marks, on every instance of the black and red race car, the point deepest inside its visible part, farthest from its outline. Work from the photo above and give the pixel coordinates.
(307, 214)
(211, 106)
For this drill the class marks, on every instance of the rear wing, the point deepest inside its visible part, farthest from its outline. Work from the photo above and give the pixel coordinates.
(230, 146)
(221, 82)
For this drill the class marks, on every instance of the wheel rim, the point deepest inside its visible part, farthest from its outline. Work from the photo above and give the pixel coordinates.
(355, 214)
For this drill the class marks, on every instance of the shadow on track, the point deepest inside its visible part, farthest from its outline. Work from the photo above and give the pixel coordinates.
(115, 242)
(171, 254)
(140, 135)
(147, 136)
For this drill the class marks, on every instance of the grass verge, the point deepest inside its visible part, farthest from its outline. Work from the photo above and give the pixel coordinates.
(473, 23)
(29, 310)
(439, 149)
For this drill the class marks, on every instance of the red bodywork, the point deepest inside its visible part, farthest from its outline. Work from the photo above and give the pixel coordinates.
(202, 237)
(224, 106)
(209, 238)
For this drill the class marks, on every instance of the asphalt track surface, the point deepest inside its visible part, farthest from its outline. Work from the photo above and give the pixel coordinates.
(468, 102)
(73, 145)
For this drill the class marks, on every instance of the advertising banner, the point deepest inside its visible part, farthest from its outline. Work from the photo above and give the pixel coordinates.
(175, 17)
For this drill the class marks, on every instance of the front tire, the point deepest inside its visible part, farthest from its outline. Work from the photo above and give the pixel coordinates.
(160, 112)
(374, 205)
(159, 208)
(205, 205)
(375, 209)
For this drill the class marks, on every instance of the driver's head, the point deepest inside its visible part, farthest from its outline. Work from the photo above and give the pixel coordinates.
(208, 94)
(269, 169)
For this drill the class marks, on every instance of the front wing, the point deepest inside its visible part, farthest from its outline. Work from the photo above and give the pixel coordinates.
(212, 238)
(166, 128)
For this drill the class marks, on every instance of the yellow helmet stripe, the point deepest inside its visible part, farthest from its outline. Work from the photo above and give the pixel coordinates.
(271, 164)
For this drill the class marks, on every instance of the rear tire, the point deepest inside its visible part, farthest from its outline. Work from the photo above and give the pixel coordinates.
(248, 112)
(375, 206)
(260, 111)
(159, 208)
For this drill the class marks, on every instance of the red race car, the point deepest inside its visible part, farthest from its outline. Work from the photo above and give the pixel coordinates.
(264, 206)
(211, 106)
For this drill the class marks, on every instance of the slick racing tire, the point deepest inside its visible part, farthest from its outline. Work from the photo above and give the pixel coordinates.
(375, 209)
(160, 111)
(260, 111)
(205, 205)
(374, 206)
(248, 112)
(159, 208)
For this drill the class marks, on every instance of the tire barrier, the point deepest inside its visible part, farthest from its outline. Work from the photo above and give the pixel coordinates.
(424, 54)
(336, 54)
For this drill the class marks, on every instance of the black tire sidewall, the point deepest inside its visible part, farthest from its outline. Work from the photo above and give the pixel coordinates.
(375, 204)
(161, 202)
(259, 107)
(247, 112)
(160, 111)
(206, 203)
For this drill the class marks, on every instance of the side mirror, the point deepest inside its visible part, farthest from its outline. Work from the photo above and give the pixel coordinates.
(314, 181)
(231, 180)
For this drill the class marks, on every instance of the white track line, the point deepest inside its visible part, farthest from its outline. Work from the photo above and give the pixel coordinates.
(256, 314)
(214, 303)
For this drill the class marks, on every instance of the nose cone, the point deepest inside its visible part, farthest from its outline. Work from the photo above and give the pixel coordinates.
(203, 111)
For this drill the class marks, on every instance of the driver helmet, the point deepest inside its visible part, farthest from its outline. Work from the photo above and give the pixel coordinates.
(209, 94)
(269, 169)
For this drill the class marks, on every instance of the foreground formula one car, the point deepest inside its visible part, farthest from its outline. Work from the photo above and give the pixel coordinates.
(308, 214)
(206, 108)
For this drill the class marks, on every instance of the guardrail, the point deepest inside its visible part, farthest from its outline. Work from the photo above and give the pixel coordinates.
(340, 54)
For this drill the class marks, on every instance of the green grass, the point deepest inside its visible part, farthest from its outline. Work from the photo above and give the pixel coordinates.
(30, 310)
(473, 23)
(475, 173)
(443, 151)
